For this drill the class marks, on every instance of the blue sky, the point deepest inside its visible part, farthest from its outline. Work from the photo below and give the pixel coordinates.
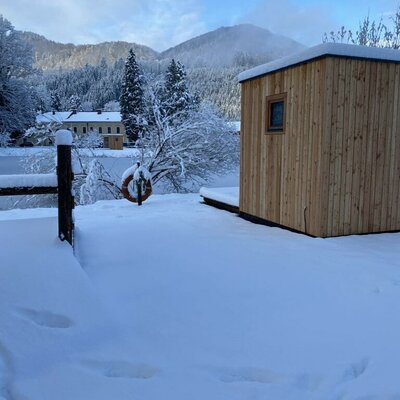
(164, 23)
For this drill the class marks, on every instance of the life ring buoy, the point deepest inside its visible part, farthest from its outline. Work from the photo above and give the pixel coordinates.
(127, 194)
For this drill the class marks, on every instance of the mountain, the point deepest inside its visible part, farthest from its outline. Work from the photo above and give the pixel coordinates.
(212, 61)
(235, 45)
(51, 55)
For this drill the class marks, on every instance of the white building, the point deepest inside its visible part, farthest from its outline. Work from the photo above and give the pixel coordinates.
(108, 124)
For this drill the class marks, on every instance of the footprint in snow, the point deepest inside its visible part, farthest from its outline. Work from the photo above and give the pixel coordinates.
(250, 374)
(121, 369)
(45, 318)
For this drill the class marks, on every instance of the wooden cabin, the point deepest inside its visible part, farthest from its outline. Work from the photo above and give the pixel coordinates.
(320, 141)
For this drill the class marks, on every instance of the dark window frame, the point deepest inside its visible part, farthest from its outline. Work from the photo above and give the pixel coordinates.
(270, 100)
(109, 129)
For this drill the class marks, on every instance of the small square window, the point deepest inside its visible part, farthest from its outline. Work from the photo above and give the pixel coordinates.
(275, 116)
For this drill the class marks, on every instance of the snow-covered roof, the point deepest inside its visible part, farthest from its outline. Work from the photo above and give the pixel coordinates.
(107, 116)
(58, 116)
(325, 49)
(83, 116)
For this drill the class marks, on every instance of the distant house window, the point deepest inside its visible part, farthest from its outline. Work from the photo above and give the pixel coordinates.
(275, 115)
(84, 129)
(109, 129)
(75, 129)
(91, 129)
(118, 130)
(100, 129)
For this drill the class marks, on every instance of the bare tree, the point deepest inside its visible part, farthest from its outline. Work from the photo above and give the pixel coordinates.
(370, 33)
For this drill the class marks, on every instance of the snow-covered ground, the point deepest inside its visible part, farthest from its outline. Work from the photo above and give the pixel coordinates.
(178, 300)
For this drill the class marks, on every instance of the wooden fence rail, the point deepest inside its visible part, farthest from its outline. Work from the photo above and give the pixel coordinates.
(60, 183)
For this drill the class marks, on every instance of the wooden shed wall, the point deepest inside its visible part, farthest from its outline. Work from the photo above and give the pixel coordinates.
(364, 156)
(336, 168)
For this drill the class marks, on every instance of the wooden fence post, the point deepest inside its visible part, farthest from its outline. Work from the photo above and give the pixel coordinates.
(65, 178)
(139, 192)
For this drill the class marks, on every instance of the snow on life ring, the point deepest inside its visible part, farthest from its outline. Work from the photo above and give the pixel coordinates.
(128, 176)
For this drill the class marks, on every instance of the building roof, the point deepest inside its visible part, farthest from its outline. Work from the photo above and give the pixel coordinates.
(108, 116)
(325, 49)
(58, 116)
(68, 116)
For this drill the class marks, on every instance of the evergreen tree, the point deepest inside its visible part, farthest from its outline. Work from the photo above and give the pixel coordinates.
(75, 103)
(55, 102)
(132, 98)
(177, 98)
(16, 101)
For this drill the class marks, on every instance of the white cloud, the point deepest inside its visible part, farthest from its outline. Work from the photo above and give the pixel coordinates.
(305, 23)
(157, 23)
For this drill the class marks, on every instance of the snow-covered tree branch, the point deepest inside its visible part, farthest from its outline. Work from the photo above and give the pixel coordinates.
(187, 146)
(43, 132)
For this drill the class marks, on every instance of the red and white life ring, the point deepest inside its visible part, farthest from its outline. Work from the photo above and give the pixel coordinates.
(128, 194)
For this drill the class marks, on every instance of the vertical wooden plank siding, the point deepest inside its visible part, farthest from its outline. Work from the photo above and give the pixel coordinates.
(374, 132)
(315, 171)
(393, 219)
(328, 109)
(335, 122)
(363, 146)
(303, 210)
(336, 168)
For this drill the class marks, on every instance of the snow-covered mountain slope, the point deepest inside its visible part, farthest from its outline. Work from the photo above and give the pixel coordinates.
(234, 45)
(50, 55)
